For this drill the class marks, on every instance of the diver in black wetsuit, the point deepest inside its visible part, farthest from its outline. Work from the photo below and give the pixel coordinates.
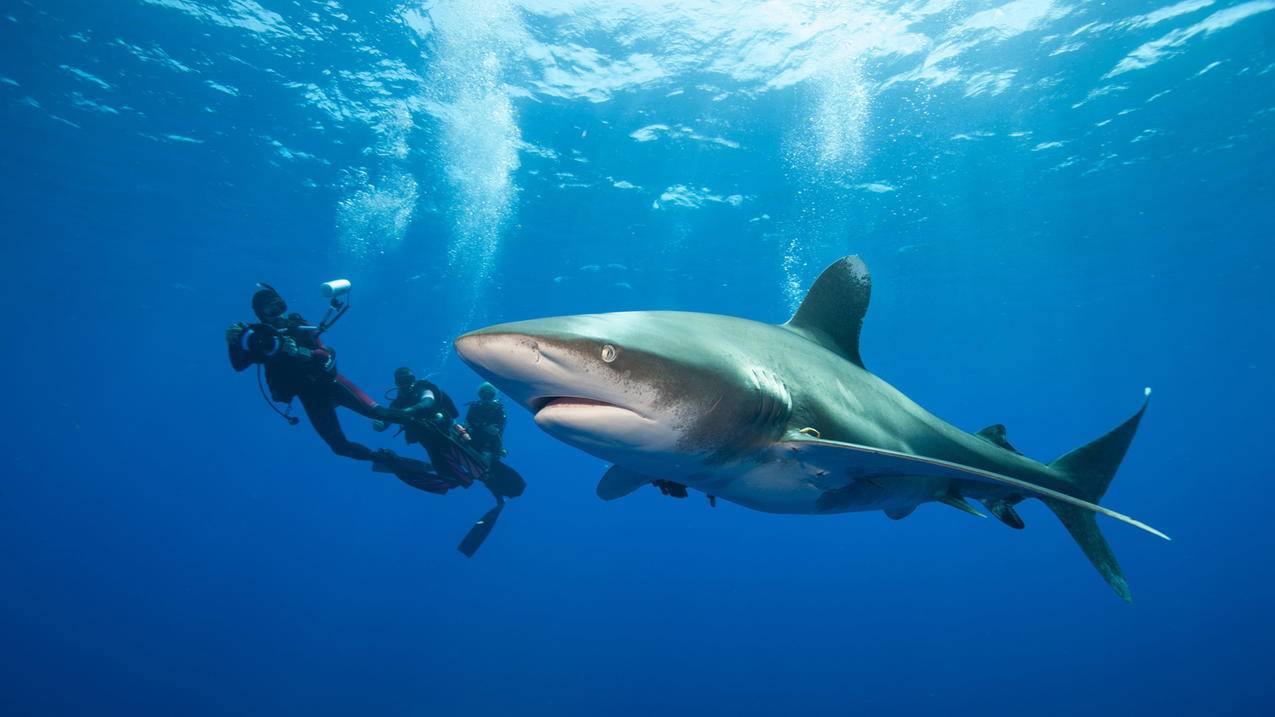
(485, 420)
(298, 365)
(431, 420)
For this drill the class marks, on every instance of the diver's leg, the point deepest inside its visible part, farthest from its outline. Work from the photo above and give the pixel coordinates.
(345, 393)
(321, 409)
(448, 460)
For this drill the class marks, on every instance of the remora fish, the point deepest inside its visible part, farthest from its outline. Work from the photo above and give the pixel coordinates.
(779, 418)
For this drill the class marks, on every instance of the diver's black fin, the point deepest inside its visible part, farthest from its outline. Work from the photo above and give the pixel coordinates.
(504, 481)
(832, 313)
(995, 433)
(404, 466)
(474, 538)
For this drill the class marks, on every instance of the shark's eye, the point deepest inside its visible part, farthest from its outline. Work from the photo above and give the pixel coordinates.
(608, 353)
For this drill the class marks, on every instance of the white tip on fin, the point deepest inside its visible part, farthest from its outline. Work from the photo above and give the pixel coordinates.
(1147, 392)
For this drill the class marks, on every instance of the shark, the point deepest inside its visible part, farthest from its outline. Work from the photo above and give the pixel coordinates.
(781, 418)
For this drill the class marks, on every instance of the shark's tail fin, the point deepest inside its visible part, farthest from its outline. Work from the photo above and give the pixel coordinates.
(1090, 469)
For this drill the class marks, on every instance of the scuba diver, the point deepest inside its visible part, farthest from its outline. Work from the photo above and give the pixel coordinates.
(485, 420)
(430, 419)
(297, 364)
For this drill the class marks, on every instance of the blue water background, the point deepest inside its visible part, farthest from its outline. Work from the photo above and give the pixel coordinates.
(1046, 238)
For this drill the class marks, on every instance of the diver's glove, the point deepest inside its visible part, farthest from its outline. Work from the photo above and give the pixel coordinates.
(290, 349)
(235, 331)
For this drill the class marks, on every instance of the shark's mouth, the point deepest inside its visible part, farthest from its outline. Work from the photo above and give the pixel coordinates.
(554, 403)
(595, 425)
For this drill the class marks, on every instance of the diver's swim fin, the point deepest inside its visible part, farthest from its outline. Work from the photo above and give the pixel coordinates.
(474, 538)
(401, 465)
(417, 474)
(505, 482)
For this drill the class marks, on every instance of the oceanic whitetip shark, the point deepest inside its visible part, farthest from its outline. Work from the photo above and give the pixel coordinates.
(779, 418)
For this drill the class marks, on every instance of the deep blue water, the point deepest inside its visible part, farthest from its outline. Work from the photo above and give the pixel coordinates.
(1061, 203)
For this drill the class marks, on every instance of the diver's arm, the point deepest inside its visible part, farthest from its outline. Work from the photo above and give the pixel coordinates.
(239, 358)
(426, 401)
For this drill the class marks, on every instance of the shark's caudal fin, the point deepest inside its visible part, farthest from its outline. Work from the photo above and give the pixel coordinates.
(1091, 468)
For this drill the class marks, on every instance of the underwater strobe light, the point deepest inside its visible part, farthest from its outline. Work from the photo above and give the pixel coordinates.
(334, 291)
(335, 288)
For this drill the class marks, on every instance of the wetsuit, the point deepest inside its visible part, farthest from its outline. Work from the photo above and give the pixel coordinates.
(311, 376)
(486, 422)
(425, 401)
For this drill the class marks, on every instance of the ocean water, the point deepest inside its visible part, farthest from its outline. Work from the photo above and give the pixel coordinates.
(1061, 203)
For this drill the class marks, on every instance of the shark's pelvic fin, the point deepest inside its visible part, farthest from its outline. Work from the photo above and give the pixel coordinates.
(899, 513)
(1004, 511)
(832, 313)
(995, 433)
(618, 482)
(959, 503)
(1091, 468)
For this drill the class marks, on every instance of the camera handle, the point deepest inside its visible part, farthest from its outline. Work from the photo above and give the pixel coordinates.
(336, 309)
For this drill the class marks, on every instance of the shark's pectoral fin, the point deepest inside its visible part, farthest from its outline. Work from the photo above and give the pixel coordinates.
(832, 313)
(995, 434)
(618, 482)
(849, 461)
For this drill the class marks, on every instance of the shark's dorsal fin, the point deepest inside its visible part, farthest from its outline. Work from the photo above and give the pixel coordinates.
(995, 433)
(831, 315)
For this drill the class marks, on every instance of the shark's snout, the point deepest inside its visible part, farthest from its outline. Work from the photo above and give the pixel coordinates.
(509, 360)
(497, 351)
(570, 382)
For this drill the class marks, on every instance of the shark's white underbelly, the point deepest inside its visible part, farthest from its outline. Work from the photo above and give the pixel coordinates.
(785, 487)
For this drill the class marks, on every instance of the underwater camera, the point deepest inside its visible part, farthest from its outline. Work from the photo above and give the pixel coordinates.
(260, 340)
